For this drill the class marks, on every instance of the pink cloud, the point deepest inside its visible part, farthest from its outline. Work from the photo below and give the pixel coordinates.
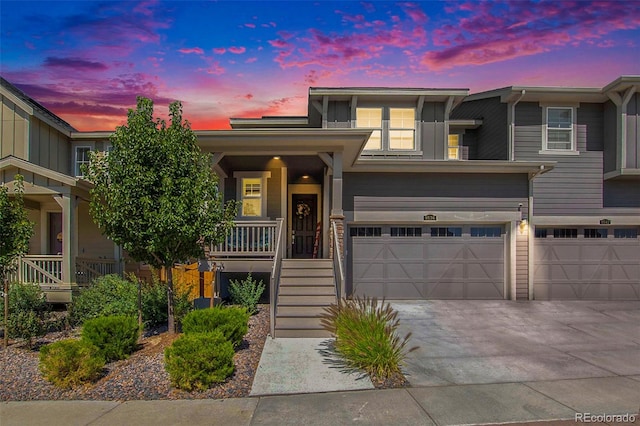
(188, 50)
(250, 25)
(219, 50)
(281, 44)
(251, 60)
(499, 31)
(74, 64)
(237, 50)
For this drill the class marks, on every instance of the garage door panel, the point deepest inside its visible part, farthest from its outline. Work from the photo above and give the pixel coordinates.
(369, 288)
(587, 268)
(413, 271)
(445, 290)
(491, 270)
(405, 290)
(443, 250)
(444, 271)
(484, 290)
(404, 251)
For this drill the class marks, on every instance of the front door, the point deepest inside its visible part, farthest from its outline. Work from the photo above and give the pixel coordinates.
(304, 221)
(55, 233)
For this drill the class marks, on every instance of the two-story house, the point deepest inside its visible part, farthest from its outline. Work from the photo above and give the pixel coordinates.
(515, 193)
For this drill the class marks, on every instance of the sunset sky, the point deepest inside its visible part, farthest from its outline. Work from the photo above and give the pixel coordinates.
(87, 61)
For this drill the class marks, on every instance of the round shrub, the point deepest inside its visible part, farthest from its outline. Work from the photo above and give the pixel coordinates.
(28, 312)
(69, 363)
(107, 295)
(246, 293)
(232, 322)
(116, 337)
(196, 361)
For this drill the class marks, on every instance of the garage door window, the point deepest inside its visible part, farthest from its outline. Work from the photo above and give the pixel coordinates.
(446, 232)
(486, 231)
(625, 233)
(541, 232)
(595, 233)
(565, 233)
(405, 231)
(366, 231)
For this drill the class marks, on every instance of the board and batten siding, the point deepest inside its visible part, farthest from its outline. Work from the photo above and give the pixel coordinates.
(492, 137)
(574, 186)
(633, 133)
(610, 138)
(49, 148)
(15, 130)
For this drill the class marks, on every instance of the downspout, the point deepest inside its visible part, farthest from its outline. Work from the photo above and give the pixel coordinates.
(512, 127)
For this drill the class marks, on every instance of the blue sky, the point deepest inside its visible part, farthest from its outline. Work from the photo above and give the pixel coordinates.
(87, 61)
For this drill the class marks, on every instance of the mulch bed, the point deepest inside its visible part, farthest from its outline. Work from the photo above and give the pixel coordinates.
(141, 377)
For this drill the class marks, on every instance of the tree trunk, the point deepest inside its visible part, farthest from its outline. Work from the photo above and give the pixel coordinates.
(170, 301)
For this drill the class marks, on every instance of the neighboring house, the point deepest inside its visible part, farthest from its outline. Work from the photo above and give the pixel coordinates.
(516, 193)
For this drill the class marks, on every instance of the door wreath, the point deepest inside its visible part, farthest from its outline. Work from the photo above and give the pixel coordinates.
(302, 210)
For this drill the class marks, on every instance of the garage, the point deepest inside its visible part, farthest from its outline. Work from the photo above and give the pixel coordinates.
(587, 263)
(428, 262)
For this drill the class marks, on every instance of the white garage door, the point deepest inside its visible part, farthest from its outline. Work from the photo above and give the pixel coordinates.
(587, 263)
(439, 262)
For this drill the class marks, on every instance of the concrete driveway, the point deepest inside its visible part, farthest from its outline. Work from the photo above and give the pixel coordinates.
(480, 342)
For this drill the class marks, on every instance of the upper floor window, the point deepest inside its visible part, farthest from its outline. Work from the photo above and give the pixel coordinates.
(454, 147)
(371, 118)
(82, 157)
(394, 129)
(558, 134)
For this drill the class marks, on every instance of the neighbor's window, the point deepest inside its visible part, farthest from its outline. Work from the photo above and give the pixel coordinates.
(559, 132)
(82, 157)
(371, 118)
(402, 128)
(252, 197)
(454, 147)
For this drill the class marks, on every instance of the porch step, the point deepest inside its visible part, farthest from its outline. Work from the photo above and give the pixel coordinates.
(306, 288)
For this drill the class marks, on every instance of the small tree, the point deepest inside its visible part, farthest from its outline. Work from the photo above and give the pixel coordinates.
(156, 194)
(15, 231)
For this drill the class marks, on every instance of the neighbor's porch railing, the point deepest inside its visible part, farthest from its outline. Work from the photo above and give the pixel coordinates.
(88, 269)
(41, 269)
(249, 239)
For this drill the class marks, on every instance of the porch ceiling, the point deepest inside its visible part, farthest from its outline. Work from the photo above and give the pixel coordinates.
(297, 165)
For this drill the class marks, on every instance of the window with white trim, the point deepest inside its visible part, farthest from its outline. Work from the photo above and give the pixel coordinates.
(371, 118)
(252, 192)
(82, 157)
(454, 147)
(559, 133)
(394, 129)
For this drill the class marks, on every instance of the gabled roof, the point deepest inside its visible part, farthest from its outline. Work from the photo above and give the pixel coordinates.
(31, 107)
(542, 94)
(20, 164)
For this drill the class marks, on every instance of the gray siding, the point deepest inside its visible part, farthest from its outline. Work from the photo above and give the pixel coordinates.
(633, 132)
(590, 118)
(49, 148)
(431, 130)
(621, 193)
(574, 187)
(274, 193)
(610, 139)
(463, 192)
(492, 137)
(13, 134)
(522, 265)
(339, 114)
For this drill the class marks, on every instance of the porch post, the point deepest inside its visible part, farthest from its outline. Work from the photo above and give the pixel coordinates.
(69, 205)
(337, 214)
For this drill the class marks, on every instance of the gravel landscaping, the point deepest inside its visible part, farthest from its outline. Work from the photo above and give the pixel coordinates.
(141, 377)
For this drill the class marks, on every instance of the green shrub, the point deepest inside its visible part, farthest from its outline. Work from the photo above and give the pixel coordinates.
(246, 293)
(28, 312)
(107, 295)
(366, 335)
(232, 322)
(198, 360)
(68, 363)
(116, 337)
(154, 303)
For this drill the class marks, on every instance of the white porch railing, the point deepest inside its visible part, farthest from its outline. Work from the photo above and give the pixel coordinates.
(88, 269)
(248, 239)
(41, 269)
(338, 263)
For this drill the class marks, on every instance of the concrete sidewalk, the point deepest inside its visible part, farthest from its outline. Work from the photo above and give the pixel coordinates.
(441, 405)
